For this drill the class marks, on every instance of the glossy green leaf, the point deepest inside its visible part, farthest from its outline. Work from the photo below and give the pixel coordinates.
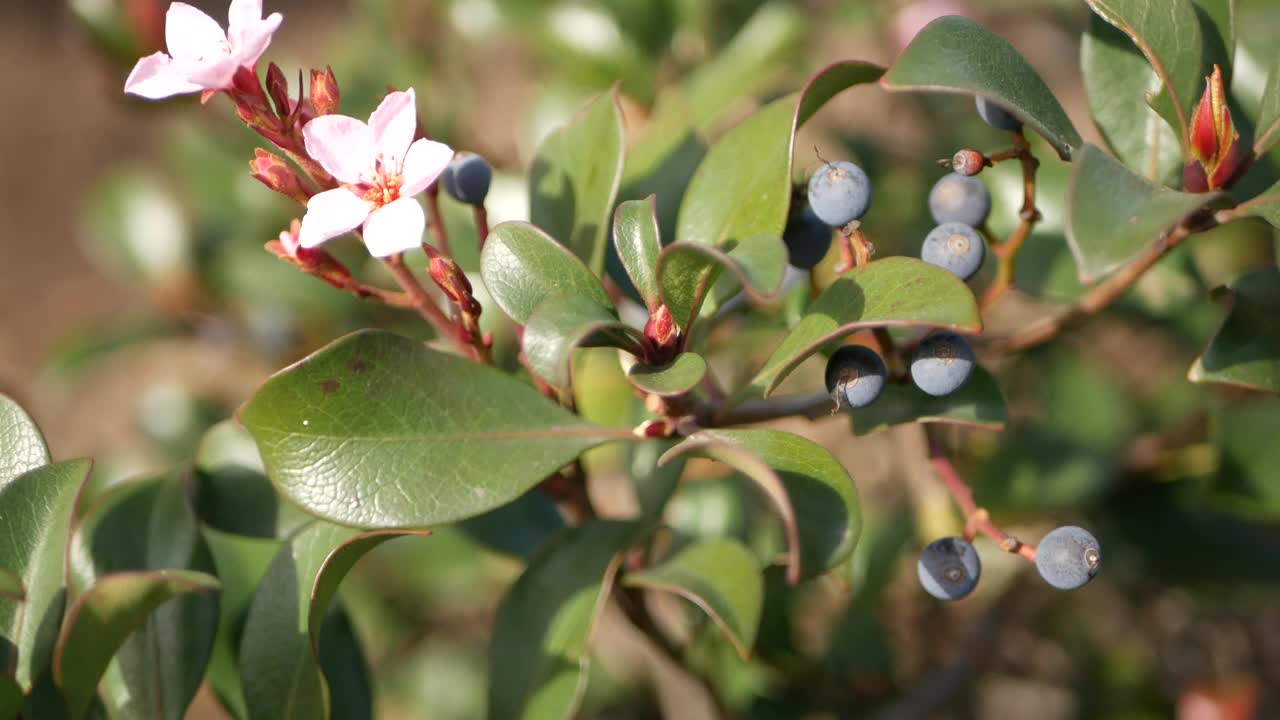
(812, 492)
(36, 507)
(1218, 29)
(1116, 80)
(979, 403)
(538, 655)
(675, 378)
(11, 585)
(1266, 205)
(231, 491)
(575, 176)
(954, 54)
(102, 617)
(1246, 350)
(10, 698)
(149, 526)
(518, 528)
(279, 648)
(722, 577)
(22, 446)
(1113, 214)
(522, 267)
(566, 322)
(1268, 126)
(1167, 32)
(894, 291)
(687, 273)
(743, 185)
(241, 562)
(376, 430)
(635, 234)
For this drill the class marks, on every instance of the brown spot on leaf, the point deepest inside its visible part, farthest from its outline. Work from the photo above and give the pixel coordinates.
(329, 386)
(358, 366)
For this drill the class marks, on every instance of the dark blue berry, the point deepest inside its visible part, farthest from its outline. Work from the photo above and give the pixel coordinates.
(1068, 557)
(949, 568)
(467, 178)
(996, 116)
(955, 247)
(808, 239)
(855, 376)
(957, 198)
(942, 363)
(839, 193)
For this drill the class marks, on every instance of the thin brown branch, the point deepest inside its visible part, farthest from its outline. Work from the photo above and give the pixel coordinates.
(481, 217)
(1007, 252)
(425, 306)
(755, 411)
(977, 520)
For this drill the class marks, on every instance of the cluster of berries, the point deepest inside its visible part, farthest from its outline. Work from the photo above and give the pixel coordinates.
(1067, 558)
(941, 364)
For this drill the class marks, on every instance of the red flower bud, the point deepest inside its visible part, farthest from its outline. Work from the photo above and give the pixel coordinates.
(275, 173)
(278, 89)
(661, 330)
(324, 92)
(313, 261)
(453, 281)
(1212, 136)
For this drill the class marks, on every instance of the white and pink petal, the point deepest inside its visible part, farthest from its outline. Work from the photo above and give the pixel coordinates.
(394, 228)
(155, 77)
(330, 214)
(342, 145)
(394, 123)
(425, 161)
(191, 35)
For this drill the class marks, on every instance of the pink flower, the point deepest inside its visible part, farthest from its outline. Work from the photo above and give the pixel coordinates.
(381, 167)
(201, 56)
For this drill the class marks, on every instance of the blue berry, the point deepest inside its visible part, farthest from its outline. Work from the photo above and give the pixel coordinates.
(839, 193)
(942, 363)
(996, 116)
(957, 198)
(856, 374)
(955, 247)
(467, 178)
(808, 239)
(949, 568)
(1068, 557)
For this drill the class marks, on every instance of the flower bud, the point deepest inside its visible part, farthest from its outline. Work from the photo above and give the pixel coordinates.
(313, 261)
(324, 92)
(278, 89)
(1212, 138)
(446, 274)
(275, 173)
(661, 330)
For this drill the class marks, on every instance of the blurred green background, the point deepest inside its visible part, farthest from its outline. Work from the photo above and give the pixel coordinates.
(140, 309)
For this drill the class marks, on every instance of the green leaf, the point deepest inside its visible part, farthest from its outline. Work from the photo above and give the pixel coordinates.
(22, 447)
(11, 585)
(144, 526)
(1268, 133)
(979, 403)
(743, 185)
(279, 649)
(635, 234)
(675, 378)
(36, 508)
(1116, 80)
(538, 655)
(575, 176)
(1218, 28)
(1113, 215)
(1168, 34)
(566, 322)
(241, 562)
(522, 266)
(518, 528)
(954, 54)
(803, 480)
(722, 577)
(890, 292)
(376, 430)
(687, 273)
(231, 491)
(1246, 350)
(1265, 205)
(101, 618)
(10, 698)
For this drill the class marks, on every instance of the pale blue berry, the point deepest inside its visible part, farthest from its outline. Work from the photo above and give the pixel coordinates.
(955, 247)
(467, 178)
(958, 198)
(839, 193)
(1068, 557)
(856, 374)
(996, 116)
(949, 568)
(942, 363)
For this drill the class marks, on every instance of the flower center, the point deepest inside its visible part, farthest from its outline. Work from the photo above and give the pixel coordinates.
(383, 182)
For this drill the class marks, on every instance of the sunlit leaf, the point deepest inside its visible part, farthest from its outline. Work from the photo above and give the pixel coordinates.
(522, 266)
(22, 446)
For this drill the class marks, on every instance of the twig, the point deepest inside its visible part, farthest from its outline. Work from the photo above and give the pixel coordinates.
(754, 411)
(977, 520)
(1108, 290)
(481, 217)
(1007, 252)
(423, 303)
